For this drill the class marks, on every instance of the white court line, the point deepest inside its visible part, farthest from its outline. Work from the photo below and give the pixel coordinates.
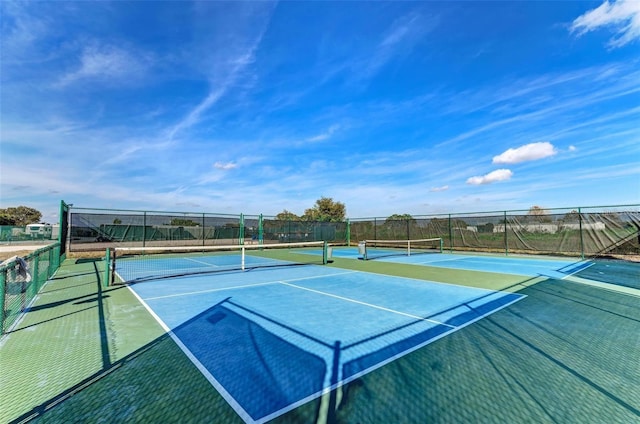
(438, 261)
(577, 270)
(210, 290)
(194, 360)
(245, 286)
(202, 262)
(371, 305)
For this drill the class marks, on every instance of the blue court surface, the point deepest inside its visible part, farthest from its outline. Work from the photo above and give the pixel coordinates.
(272, 339)
(532, 267)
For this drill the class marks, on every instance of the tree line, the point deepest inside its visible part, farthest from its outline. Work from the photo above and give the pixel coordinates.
(19, 216)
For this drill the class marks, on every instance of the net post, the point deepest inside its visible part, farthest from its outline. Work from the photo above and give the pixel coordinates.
(441, 245)
(408, 247)
(325, 252)
(107, 266)
(242, 249)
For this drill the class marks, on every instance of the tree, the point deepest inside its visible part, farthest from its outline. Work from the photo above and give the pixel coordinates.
(285, 215)
(571, 217)
(20, 216)
(183, 222)
(399, 217)
(6, 220)
(326, 210)
(539, 214)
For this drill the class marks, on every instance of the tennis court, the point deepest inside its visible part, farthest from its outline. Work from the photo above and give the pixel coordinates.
(290, 335)
(312, 334)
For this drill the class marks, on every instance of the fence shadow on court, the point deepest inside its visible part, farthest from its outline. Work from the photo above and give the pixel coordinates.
(546, 358)
(565, 353)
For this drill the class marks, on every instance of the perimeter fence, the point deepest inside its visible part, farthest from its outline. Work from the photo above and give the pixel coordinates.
(95, 229)
(22, 278)
(581, 231)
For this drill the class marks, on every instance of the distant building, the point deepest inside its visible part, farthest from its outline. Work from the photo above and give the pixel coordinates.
(550, 228)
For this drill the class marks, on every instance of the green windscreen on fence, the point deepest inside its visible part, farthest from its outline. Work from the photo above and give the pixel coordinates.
(572, 232)
(583, 231)
(98, 229)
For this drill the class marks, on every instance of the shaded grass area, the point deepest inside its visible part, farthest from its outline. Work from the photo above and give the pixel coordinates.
(566, 353)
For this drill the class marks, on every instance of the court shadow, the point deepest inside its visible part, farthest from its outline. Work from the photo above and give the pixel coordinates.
(262, 372)
(546, 358)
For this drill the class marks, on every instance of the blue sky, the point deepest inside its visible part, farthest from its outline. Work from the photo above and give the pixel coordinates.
(257, 107)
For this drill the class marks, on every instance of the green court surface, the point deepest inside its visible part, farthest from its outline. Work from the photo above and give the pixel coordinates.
(568, 352)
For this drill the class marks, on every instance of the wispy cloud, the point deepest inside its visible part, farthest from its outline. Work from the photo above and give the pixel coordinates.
(107, 63)
(399, 39)
(491, 177)
(622, 16)
(231, 60)
(438, 189)
(528, 152)
(325, 135)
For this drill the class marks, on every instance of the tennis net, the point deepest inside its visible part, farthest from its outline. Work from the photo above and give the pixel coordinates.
(372, 249)
(135, 264)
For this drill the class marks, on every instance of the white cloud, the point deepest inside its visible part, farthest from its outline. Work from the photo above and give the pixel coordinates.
(572, 148)
(437, 189)
(491, 177)
(528, 152)
(225, 166)
(622, 15)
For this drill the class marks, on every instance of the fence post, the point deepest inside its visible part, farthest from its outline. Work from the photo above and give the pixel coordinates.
(144, 229)
(408, 229)
(241, 235)
(506, 238)
(581, 235)
(348, 232)
(3, 274)
(450, 234)
(261, 230)
(35, 275)
(375, 229)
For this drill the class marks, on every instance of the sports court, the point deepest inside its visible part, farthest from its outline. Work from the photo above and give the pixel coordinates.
(297, 333)
(309, 332)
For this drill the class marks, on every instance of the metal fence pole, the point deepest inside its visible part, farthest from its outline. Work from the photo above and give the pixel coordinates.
(144, 229)
(348, 232)
(450, 233)
(2, 299)
(581, 235)
(506, 237)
